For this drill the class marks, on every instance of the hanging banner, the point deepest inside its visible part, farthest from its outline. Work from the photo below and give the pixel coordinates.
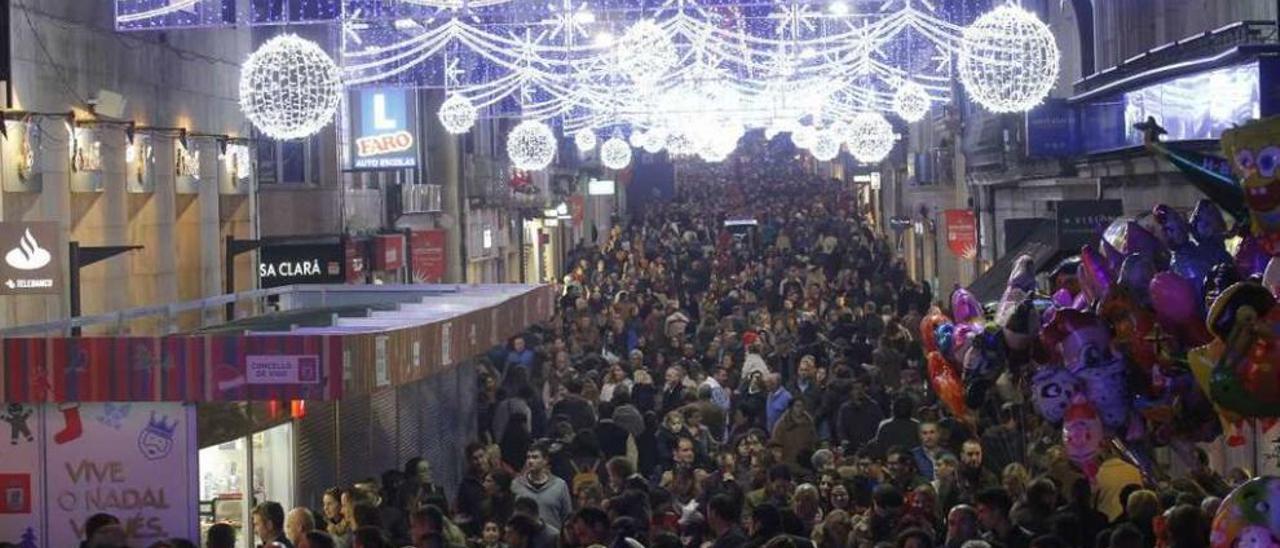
(427, 256)
(962, 233)
(578, 208)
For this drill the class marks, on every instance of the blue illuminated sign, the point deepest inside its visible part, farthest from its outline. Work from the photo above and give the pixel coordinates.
(383, 129)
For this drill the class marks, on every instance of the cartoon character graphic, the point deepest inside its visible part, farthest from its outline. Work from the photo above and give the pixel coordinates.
(1254, 152)
(156, 439)
(1082, 434)
(1082, 341)
(16, 415)
(1249, 516)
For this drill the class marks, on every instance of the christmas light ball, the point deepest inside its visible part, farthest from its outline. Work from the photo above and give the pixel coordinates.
(1008, 60)
(531, 146)
(654, 140)
(826, 145)
(457, 114)
(646, 52)
(289, 88)
(679, 144)
(870, 137)
(585, 139)
(911, 102)
(803, 136)
(615, 153)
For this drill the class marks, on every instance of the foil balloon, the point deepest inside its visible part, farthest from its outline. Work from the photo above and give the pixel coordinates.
(965, 307)
(945, 335)
(984, 360)
(1252, 152)
(1082, 435)
(1016, 314)
(1178, 306)
(1252, 257)
(947, 385)
(1095, 274)
(1083, 343)
(1052, 388)
(1135, 273)
(1185, 257)
(1113, 256)
(929, 325)
(1062, 298)
(1245, 376)
(1271, 276)
(1249, 516)
(1131, 323)
(1209, 230)
(1220, 277)
(1128, 237)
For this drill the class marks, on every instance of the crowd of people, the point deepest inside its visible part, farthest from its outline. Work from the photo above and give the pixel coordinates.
(753, 385)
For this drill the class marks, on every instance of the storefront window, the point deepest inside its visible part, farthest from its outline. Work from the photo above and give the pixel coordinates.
(222, 476)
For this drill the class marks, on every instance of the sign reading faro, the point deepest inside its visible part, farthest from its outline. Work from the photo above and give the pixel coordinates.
(383, 130)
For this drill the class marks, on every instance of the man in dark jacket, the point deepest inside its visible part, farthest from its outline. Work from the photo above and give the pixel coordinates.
(859, 418)
(723, 514)
(471, 495)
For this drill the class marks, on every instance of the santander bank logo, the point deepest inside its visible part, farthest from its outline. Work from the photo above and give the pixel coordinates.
(28, 255)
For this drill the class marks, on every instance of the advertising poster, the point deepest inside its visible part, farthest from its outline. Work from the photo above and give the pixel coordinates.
(427, 256)
(962, 233)
(104, 457)
(20, 503)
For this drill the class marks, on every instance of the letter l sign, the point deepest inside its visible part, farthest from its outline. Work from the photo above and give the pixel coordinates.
(380, 119)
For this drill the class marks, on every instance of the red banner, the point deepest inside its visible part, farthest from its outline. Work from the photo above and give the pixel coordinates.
(388, 252)
(428, 258)
(578, 208)
(353, 253)
(962, 233)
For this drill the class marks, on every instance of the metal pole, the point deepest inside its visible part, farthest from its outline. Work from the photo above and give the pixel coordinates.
(73, 282)
(229, 276)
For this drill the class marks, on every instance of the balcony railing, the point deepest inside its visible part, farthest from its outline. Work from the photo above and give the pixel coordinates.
(420, 198)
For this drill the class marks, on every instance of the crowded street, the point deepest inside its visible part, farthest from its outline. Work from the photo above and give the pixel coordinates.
(640, 274)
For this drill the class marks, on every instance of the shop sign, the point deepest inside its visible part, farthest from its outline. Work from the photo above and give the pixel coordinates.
(1081, 222)
(388, 252)
(384, 129)
(354, 255)
(281, 265)
(282, 369)
(31, 264)
(962, 233)
(427, 255)
(1053, 130)
(578, 209)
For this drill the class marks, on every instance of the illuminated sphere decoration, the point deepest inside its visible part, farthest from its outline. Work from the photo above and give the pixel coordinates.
(289, 88)
(531, 145)
(585, 139)
(826, 145)
(1008, 60)
(870, 137)
(646, 52)
(803, 136)
(911, 102)
(654, 140)
(679, 144)
(615, 153)
(457, 114)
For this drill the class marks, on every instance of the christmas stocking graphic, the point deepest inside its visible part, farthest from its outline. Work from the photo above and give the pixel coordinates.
(71, 428)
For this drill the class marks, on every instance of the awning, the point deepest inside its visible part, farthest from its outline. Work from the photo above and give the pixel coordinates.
(1041, 244)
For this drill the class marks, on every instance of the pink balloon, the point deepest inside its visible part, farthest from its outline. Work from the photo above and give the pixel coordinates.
(1095, 276)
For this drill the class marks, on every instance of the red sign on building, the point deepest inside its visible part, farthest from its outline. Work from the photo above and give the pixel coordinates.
(427, 255)
(578, 208)
(388, 252)
(354, 255)
(962, 233)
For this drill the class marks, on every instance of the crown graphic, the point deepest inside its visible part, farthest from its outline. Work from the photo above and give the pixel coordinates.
(162, 427)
